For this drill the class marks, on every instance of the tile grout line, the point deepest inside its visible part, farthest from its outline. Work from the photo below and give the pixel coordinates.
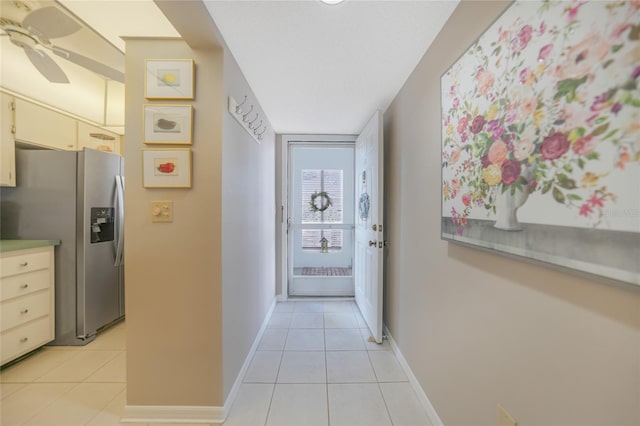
(326, 367)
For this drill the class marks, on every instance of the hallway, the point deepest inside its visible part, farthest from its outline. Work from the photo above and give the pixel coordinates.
(314, 366)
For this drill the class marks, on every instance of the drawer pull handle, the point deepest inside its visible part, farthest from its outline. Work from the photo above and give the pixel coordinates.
(24, 263)
(25, 285)
(24, 311)
(24, 339)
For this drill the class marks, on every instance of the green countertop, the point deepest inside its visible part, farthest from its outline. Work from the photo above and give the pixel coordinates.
(12, 245)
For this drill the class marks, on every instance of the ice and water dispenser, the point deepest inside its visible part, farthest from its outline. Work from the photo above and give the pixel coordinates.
(102, 224)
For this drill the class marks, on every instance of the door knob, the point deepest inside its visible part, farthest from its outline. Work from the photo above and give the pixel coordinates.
(372, 244)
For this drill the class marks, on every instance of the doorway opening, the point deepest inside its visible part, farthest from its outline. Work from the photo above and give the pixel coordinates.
(320, 223)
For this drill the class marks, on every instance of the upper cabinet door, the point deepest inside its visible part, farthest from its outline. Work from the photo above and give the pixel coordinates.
(7, 144)
(94, 137)
(42, 126)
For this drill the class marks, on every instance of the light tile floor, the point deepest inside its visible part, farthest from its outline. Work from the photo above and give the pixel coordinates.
(314, 366)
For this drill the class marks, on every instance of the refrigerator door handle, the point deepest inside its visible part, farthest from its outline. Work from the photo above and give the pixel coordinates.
(120, 220)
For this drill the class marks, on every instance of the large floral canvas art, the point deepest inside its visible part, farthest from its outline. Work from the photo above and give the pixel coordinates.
(541, 137)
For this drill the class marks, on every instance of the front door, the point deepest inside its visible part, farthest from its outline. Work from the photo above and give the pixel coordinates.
(321, 208)
(369, 225)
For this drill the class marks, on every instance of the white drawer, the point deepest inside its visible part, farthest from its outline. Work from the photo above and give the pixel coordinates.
(23, 339)
(19, 285)
(20, 263)
(23, 309)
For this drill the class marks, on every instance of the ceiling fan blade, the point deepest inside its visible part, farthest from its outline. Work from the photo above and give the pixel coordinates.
(47, 66)
(90, 64)
(50, 22)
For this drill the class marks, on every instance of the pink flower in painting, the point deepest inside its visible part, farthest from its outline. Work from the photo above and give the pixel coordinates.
(503, 35)
(484, 80)
(462, 125)
(595, 201)
(542, 28)
(455, 156)
(545, 51)
(585, 210)
(636, 72)
(616, 107)
(526, 76)
(464, 136)
(477, 124)
(510, 171)
(554, 146)
(456, 103)
(528, 106)
(583, 57)
(572, 12)
(466, 199)
(497, 133)
(584, 145)
(523, 38)
(620, 29)
(497, 152)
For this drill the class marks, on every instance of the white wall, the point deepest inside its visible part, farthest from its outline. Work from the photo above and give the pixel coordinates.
(248, 234)
(479, 329)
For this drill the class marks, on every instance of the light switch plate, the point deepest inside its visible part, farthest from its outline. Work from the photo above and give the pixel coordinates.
(162, 211)
(504, 418)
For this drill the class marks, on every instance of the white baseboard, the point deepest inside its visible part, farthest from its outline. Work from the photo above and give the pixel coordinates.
(240, 377)
(422, 396)
(194, 414)
(281, 298)
(172, 414)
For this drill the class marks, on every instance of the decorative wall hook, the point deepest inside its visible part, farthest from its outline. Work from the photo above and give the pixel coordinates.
(239, 106)
(251, 126)
(244, 116)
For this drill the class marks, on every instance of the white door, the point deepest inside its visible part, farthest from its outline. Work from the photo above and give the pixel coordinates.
(369, 241)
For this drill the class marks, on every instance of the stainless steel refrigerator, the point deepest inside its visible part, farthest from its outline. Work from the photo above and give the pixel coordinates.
(75, 197)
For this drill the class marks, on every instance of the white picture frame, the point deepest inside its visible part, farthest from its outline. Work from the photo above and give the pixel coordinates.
(169, 79)
(168, 124)
(166, 168)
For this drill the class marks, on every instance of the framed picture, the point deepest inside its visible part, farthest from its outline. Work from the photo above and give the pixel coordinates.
(541, 141)
(169, 79)
(168, 124)
(166, 168)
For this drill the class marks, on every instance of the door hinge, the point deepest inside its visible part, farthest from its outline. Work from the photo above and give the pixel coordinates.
(379, 228)
(374, 227)
(12, 106)
(13, 130)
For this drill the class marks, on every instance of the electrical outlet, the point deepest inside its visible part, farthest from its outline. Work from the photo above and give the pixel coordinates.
(162, 211)
(504, 418)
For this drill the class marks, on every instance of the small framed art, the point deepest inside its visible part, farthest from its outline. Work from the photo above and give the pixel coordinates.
(168, 124)
(169, 79)
(166, 168)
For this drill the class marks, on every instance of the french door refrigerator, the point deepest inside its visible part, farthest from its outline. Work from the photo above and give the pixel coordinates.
(75, 197)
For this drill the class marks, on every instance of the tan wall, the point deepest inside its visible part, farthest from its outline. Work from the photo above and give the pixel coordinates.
(173, 270)
(480, 329)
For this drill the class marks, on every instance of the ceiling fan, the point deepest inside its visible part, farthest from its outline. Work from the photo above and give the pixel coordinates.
(33, 35)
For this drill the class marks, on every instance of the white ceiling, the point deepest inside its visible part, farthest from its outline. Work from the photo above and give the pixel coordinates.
(317, 68)
(314, 68)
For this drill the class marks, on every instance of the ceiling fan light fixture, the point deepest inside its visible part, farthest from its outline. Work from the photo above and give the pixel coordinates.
(331, 2)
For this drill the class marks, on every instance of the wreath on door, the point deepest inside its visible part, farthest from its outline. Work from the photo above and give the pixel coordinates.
(320, 201)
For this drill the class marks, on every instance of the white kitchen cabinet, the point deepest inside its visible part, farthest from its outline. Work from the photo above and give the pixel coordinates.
(27, 301)
(7, 142)
(94, 137)
(38, 125)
